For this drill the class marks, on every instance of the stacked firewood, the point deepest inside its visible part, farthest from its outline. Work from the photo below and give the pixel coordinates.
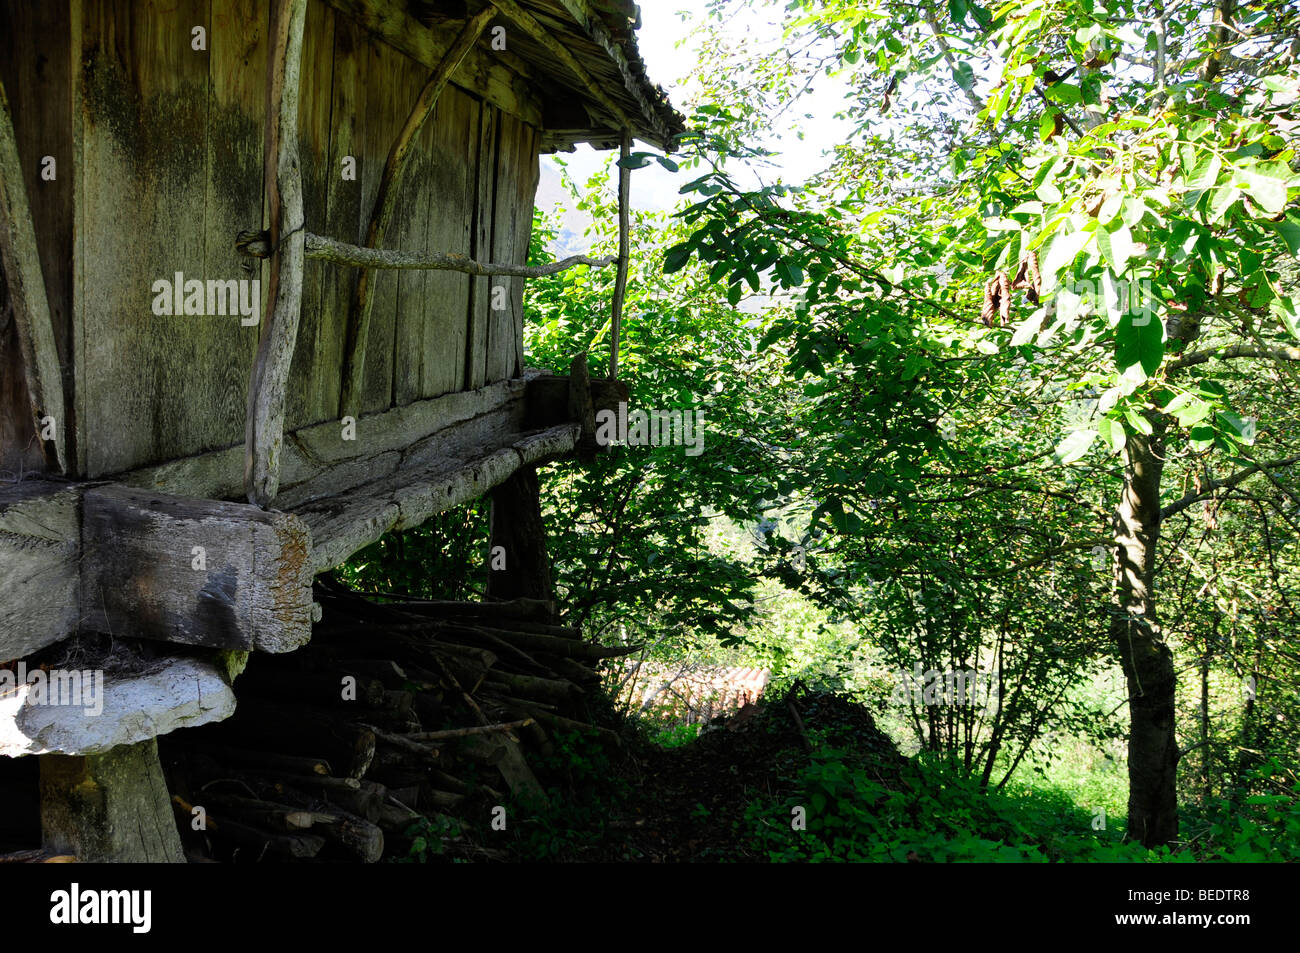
(393, 713)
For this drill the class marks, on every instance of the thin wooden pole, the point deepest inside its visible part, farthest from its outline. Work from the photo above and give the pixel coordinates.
(322, 248)
(22, 272)
(266, 391)
(358, 330)
(624, 252)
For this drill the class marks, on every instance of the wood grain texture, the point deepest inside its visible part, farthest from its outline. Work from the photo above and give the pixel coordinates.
(385, 211)
(141, 574)
(452, 165)
(39, 544)
(309, 372)
(312, 451)
(35, 69)
(268, 386)
(142, 98)
(233, 162)
(498, 77)
(480, 306)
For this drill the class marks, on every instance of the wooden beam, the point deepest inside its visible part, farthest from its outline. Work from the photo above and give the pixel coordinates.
(321, 248)
(529, 24)
(624, 252)
(358, 327)
(499, 77)
(595, 29)
(40, 540)
(266, 390)
(343, 526)
(518, 565)
(109, 808)
(196, 572)
(550, 399)
(20, 258)
(329, 458)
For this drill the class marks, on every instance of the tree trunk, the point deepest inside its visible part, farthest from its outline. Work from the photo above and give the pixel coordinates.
(1147, 660)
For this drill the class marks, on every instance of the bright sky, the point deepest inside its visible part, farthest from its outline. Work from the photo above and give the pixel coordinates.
(664, 23)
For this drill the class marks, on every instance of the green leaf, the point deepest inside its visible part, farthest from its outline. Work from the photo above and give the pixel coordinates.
(1241, 429)
(1074, 446)
(1289, 230)
(1112, 431)
(964, 76)
(1266, 187)
(1138, 422)
(1222, 199)
(675, 258)
(1117, 246)
(1206, 172)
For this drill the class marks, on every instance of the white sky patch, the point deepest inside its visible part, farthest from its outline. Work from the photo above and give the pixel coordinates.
(674, 67)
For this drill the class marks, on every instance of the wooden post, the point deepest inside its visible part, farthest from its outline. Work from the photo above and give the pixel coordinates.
(354, 360)
(518, 530)
(22, 272)
(624, 252)
(266, 391)
(110, 807)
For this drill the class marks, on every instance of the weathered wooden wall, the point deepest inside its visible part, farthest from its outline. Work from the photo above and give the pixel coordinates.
(167, 170)
(35, 70)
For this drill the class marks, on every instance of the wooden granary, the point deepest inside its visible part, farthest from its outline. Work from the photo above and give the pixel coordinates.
(261, 282)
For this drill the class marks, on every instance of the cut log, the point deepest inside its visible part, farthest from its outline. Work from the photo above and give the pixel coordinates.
(529, 686)
(299, 729)
(355, 836)
(40, 541)
(262, 842)
(219, 575)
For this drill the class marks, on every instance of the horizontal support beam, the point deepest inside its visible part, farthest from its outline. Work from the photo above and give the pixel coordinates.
(128, 562)
(154, 555)
(321, 248)
(194, 572)
(343, 526)
(40, 541)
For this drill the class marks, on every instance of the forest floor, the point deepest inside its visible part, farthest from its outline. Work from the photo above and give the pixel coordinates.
(706, 799)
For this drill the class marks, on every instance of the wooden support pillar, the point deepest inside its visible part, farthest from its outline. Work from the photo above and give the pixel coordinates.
(112, 807)
(267, 389)
(518, 566)
(624, 252)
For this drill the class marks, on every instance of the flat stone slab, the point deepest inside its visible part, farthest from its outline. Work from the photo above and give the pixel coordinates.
(96, 713)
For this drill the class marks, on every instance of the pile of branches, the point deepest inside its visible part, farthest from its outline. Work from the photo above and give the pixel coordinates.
(393, 714)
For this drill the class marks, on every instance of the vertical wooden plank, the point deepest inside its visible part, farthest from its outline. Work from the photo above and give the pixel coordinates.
(307, 387)
(237, 38)
(387, 106)
(344, 217)
(24, 296)
(480, 308)
(527, 174)
(409, 232)
(501, 321)
(36, 70)
(452, 185)
(143, 393)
